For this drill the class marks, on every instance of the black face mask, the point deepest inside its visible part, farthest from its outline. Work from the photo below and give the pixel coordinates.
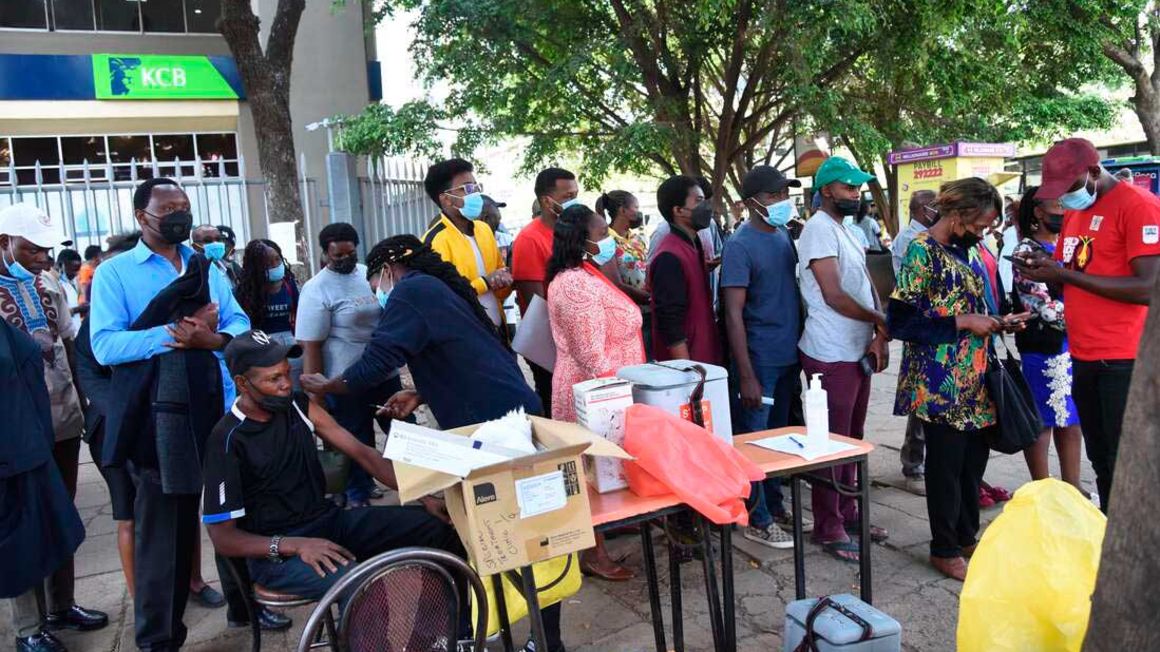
(175, 227)
(702, 215)
(967, 240)
(345, 265)
(847, 206)
(1053, 223)
(272, 403)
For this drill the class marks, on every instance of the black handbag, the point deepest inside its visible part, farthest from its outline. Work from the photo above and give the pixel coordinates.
(1018, 422)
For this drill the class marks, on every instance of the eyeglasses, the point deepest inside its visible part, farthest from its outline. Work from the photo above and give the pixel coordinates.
(467, 188)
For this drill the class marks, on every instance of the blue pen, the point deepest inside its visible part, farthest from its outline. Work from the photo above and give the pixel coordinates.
(794, 440)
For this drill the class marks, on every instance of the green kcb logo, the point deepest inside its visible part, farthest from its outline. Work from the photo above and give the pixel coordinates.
(158, 77)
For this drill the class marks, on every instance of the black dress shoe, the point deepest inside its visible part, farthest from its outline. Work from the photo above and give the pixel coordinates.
(78, 618)
(270, 621)
(40, 642)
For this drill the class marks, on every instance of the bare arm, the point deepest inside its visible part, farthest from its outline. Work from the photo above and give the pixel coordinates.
(525, 290)
(829, 280)
(612, 273)
(365, 456)
(311, 357)
(322, 555)
(750, 385)
(1136, 288)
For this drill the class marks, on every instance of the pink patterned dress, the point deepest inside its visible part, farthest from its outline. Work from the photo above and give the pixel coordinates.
(597, 330)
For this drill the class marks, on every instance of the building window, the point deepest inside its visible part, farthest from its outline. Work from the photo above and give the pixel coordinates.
(72, 14)
(80, 159)
(23, 14)
(149, 16)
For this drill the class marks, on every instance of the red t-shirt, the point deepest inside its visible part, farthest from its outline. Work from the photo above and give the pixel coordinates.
(1103, 240)
(530, 254)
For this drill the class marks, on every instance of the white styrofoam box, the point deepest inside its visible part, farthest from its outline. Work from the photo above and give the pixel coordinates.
(600, 405)
(668, 386)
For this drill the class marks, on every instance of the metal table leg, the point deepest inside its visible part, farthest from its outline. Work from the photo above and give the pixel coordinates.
(799, 548)
(675, 599)
(533, 599)
(711, 592)
(864, 516)
(654, 591)
(728, 604)
(505, 628)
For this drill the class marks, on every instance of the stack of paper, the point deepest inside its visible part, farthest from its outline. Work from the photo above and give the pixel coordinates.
(798, 445)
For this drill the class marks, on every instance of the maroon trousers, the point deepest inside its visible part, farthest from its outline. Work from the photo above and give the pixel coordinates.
(848, 394)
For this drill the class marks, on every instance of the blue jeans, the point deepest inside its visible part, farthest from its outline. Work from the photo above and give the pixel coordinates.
(356, 413)
(777, 382)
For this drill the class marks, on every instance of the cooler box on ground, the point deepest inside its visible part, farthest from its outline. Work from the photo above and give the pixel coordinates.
(836, 632)
(669, 385)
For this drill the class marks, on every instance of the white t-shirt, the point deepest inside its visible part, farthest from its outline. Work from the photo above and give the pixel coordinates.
(74, 299)
(829, 336)
(487, 300)
(341, 311)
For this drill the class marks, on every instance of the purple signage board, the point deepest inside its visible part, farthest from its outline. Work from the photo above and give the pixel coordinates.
(996, 150)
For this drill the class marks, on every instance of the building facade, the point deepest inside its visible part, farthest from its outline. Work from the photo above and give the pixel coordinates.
(97, 95)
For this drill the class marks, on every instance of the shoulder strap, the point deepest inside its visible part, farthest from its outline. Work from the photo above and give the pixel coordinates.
(301, 413)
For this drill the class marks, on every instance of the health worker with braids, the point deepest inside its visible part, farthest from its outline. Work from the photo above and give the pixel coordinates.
(433, 323)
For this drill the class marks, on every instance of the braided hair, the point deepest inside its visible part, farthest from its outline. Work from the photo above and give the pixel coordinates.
(569, 237)
(410, 252)
(251, 290)
(1026, 216)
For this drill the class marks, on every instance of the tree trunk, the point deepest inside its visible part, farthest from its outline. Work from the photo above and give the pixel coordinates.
(1128, 584)
(1146, 103)
(266, 79)
(892, 219)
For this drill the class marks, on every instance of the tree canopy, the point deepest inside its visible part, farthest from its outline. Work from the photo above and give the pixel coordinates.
(715, 86)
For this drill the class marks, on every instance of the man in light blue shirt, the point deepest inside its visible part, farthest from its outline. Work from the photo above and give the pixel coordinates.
(129, 283)
(166, 521)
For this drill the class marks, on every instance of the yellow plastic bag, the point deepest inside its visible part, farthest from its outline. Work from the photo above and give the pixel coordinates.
(556, 579)
(1030, 581)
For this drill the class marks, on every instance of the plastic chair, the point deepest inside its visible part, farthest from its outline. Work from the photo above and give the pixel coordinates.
(403, 600)
(259, 596)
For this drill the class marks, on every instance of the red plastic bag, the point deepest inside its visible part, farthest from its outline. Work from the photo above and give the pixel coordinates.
(682, 458)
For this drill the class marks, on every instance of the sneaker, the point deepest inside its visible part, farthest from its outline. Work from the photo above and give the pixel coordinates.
(916, 484)
(785, 522)
(771, 535)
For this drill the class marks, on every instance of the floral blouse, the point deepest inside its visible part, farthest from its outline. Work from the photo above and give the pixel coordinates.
(631, 258)
(942, 374)
(1036, 296)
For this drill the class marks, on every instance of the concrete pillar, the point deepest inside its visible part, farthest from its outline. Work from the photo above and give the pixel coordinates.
(345, 195)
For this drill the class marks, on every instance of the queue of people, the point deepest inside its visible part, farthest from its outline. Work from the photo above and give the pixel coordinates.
(224, 373)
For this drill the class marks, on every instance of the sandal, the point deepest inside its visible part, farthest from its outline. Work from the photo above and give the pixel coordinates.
(999, 494)
(846, 551)
(877, 534)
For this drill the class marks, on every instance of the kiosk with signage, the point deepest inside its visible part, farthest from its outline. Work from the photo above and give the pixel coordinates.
(927, 168)
(1145, 170)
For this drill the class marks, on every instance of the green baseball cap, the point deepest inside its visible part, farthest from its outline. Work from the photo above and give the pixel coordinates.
(839, 169)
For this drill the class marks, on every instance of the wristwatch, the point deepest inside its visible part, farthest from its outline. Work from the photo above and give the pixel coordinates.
(274, 556)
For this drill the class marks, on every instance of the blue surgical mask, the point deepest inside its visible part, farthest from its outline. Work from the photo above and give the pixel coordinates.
(383, 296)
(214, 250)
(575, 201)
(607, 249)
(779, 213)
(472, 206)
(18, 271)
(1080, 199)
(276, 274)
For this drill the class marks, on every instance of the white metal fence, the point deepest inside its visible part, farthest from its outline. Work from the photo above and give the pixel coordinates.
(393, 199)
(96, 206)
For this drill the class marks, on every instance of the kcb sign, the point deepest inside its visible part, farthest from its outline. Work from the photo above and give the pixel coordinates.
(158, 77)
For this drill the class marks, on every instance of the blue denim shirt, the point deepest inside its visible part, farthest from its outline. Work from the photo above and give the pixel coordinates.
(124, 286)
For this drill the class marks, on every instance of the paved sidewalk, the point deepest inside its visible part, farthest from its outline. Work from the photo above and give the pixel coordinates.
(605, 617)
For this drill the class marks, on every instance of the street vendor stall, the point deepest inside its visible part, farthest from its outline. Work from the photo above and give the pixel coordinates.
(927, 168)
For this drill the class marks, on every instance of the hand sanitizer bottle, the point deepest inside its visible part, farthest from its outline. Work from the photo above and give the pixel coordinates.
(817, 413)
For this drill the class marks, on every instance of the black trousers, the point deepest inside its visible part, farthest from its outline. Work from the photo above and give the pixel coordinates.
(164, 531)
(543, 380)
(1100, 392)
(955, 462)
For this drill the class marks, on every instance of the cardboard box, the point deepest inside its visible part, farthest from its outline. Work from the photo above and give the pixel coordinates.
(600, 405)
(509, 513)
